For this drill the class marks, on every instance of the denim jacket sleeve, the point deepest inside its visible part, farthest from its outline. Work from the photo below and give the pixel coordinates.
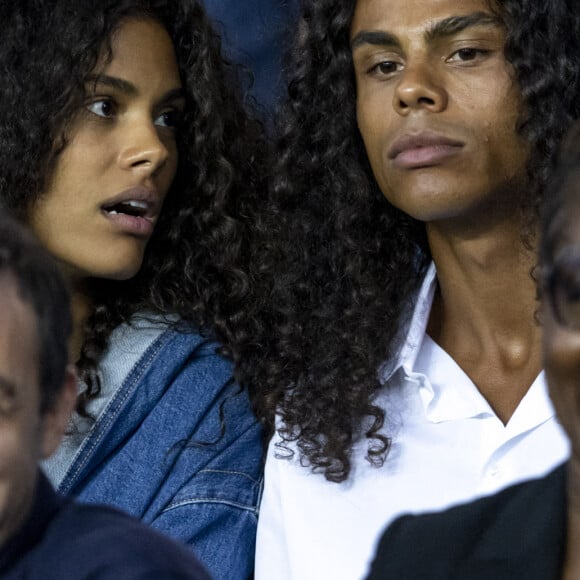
(179, 448)
(216, 509)
(223, 536)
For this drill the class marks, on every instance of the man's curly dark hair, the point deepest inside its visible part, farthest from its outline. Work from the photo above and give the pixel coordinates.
(347, 263)
(195, 264)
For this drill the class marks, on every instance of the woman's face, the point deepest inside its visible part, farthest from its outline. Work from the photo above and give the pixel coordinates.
(111, 179)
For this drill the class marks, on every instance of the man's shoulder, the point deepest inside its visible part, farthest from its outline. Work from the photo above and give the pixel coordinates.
(101, 542)
(477, 535)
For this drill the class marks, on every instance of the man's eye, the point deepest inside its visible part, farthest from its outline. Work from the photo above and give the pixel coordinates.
(467, 54)
(170, 119)
(102, 108)
(386, 67)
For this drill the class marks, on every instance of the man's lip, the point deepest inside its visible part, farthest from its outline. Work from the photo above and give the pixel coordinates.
(146, 195)
(426, 139)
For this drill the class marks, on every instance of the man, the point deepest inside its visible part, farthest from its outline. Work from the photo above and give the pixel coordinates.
(532, 530)
(405, 364)
(41, 534)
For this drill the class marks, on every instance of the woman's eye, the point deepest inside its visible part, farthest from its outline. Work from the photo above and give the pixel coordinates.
(170, 119)
(102, 108)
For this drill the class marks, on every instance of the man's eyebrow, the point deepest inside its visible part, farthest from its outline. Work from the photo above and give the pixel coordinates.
(374, 37)
(442, 28)
(455, 24)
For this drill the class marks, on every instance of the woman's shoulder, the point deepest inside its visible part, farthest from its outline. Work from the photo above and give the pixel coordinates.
(162, 332)
(165, 353)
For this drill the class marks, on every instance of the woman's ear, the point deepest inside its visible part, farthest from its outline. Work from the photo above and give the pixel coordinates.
(56, 419)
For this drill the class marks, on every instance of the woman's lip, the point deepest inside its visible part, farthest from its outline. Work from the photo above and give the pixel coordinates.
(133, 225)
(425, 156)
(141, 194)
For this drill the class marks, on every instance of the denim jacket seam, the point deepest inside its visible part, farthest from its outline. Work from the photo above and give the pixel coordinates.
(211, 500)
(118, 400)
(251, 495)
(231, 472)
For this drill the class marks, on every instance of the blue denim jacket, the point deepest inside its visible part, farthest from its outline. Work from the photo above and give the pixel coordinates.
(158, 453)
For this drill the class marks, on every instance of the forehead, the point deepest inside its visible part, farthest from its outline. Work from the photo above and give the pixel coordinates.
(142, 50)
(412, 16)
(18, 340)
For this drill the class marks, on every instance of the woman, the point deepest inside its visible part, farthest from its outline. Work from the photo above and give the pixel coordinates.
(133, 162)
(404, 356)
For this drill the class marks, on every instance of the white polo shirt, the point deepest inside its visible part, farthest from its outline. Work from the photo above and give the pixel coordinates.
(448, 447)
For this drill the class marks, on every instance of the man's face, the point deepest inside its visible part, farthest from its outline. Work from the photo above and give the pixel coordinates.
(437, 106)
(22, 429)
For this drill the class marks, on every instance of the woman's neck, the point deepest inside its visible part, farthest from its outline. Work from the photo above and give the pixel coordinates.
(81, 304)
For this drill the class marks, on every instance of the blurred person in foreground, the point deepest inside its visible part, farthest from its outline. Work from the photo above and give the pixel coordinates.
(44, 535)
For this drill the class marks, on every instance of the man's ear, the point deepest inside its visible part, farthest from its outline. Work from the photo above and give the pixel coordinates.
(56, 419)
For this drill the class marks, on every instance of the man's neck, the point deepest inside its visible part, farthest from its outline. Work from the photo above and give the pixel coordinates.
(484, 312)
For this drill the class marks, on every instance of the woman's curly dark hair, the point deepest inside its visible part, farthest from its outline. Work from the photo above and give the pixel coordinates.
(345, 265)
(196, 261)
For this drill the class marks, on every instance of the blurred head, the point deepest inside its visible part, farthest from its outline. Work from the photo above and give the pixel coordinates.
(37, 388)
(560, 257)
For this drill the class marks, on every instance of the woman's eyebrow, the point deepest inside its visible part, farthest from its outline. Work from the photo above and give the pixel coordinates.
(114, 83)
(173, 95)
(130, 89)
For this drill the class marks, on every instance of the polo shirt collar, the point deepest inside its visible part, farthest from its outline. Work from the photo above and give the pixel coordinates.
(446, 391)
(416, 329)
